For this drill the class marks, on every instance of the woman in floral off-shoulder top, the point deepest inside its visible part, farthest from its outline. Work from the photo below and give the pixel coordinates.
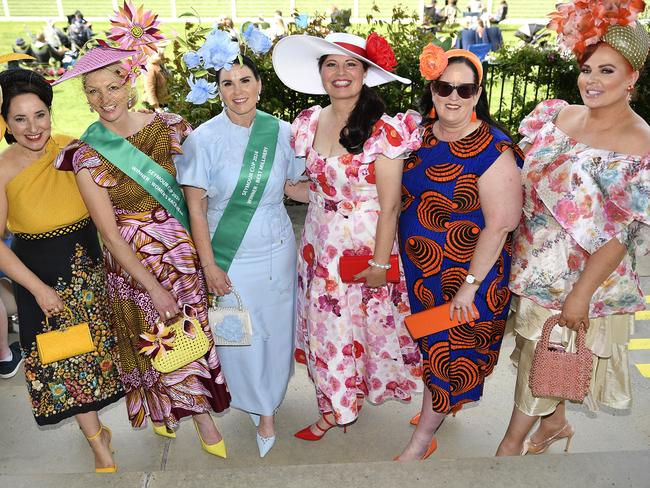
(586, 216)
(351, 336)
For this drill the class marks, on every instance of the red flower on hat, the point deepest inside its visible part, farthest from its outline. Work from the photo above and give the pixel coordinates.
(380, 52)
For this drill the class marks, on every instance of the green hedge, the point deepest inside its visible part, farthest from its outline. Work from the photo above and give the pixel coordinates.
(518, 78)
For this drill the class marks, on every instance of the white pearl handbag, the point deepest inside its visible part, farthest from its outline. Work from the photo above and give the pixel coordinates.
(231, 326)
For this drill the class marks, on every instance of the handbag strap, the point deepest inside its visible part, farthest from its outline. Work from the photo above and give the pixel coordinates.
(240, 305)
(65, 324)
(548, 327)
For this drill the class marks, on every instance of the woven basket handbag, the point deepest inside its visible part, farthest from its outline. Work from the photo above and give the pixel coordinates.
(557, 373)
(182, 342)
(231, 326)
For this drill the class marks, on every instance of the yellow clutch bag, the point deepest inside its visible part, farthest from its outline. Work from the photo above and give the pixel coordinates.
(66, 342)
(174, 346)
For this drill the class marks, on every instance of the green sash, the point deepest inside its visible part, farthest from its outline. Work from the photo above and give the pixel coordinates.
(254, 174)
(158, 182)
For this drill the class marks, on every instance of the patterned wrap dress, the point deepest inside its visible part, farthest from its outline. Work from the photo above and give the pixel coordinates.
(166, 250)
(56, 240)
(351, 337)
(439, 227)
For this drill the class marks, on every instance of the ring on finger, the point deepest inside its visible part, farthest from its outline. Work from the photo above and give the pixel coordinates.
(168, 314)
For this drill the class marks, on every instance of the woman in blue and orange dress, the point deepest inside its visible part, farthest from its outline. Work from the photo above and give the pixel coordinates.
(461, 198)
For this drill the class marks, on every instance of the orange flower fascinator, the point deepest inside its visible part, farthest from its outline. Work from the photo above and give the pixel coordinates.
(433, 61)
(582, 23)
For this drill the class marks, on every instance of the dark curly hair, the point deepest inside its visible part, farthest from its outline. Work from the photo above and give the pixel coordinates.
(368, 110)
(482, 109)
(16, 82)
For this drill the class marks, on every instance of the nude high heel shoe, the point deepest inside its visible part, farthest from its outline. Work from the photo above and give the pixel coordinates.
(565, 432)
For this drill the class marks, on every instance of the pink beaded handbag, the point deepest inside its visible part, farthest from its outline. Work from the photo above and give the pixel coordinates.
(557, 373)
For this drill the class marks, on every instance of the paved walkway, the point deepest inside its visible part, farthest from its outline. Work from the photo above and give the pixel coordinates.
(613, 448)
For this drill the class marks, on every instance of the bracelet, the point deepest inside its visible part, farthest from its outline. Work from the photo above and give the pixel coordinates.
(374, 264)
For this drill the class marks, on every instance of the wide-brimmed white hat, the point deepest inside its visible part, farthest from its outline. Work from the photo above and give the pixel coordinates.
(295, 60)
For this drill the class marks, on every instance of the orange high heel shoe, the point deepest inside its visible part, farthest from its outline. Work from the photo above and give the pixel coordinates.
(415, 420)
(432, 447)
(107, 469)
(565, 432)
(306, 434)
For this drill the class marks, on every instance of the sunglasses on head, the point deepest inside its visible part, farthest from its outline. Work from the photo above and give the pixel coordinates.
(464, 90)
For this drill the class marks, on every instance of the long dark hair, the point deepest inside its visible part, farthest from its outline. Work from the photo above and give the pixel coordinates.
(367, 111)
(16, 82)
(482, 110)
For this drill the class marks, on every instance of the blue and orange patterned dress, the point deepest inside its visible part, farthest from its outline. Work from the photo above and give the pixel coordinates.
(439, 227)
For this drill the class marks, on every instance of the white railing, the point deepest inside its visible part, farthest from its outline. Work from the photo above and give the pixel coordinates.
(61, 13)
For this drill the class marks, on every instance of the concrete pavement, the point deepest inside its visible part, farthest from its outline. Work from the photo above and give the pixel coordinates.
(611, 448)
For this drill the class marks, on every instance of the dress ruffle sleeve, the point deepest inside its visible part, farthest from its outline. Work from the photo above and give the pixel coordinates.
(544, 112)
(598, 196)
(394, 137)
(77, 156)
(303, 130)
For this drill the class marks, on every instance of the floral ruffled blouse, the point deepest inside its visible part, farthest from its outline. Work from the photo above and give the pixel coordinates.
(576, 199)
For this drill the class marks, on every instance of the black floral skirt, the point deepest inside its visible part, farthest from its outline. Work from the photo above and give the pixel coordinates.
(70, 261)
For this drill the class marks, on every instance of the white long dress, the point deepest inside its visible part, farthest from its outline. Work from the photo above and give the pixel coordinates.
(264, 268)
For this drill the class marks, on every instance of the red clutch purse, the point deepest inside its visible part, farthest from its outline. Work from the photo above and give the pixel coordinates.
(432, 320)
(350, 266)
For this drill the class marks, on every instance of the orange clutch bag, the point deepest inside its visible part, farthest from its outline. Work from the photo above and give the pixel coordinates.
(350, 266)
(433, 320)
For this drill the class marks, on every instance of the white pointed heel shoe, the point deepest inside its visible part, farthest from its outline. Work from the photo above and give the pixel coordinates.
(255, 419)
(264, 444)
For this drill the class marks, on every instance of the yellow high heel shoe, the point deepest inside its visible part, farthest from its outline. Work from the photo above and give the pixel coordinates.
(218, 449)
(565, 432)
(162, 431)
(107, 469)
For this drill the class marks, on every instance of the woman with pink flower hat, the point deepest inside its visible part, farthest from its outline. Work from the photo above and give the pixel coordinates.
(350, 332)
(586, 214)
(126, 175)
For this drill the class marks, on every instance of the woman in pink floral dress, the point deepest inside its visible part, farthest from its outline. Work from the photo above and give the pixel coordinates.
(350, 335)
(586, 216)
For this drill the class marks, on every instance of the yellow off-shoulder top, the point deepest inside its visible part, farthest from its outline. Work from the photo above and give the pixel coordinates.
(41, 198)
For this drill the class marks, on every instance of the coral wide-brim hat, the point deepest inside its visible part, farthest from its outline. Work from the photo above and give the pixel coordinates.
(295, 60)
(96, 58)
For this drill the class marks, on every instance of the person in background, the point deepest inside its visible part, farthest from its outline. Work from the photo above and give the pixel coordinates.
(277, 29)
(155, 80)
(20, 47)
(502, 13)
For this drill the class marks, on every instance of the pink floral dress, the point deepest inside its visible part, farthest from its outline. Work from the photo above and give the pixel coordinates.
(577, 198)
(352, 338)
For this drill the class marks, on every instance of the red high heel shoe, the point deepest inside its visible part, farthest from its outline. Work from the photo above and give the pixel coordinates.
(431, 449)
(306, 434)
